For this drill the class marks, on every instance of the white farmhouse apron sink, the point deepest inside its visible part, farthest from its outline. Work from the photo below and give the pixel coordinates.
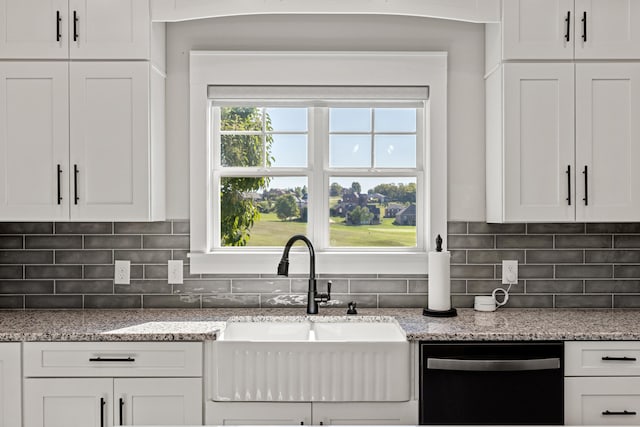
(320, 359)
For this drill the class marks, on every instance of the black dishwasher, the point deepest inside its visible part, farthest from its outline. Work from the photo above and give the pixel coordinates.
(518, 383)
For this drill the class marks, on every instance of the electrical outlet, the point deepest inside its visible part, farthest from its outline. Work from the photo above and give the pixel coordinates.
(509, 272)
(175, 272)
(122, 273)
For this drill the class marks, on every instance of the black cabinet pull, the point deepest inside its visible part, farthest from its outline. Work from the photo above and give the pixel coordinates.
(102, 403)
(625, 412)
(586, 185)
(112, 359)
(623, 358)
(75, 184)
(59, 188)
(567, 35)
(58, 19)
(569, 185)
(584, 26)
(121, 406)
(75, 26)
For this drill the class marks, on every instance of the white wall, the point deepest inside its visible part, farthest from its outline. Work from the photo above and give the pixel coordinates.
(463, 41)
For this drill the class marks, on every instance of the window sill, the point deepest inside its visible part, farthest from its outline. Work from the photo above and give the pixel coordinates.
(326, 263)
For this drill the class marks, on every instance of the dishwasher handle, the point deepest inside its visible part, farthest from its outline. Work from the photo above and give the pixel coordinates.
(493, 365)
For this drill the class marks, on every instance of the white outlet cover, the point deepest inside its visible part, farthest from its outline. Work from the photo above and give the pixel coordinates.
(175, 272)
(122, 272)
(509, 272)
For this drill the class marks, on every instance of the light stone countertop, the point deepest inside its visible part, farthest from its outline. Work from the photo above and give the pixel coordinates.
(205, 324)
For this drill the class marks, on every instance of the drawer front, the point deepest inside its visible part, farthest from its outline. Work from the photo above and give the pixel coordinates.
(602, 358)
(602, 401)
(130, 359)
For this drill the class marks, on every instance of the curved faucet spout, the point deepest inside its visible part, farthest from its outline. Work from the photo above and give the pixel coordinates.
(283, 270)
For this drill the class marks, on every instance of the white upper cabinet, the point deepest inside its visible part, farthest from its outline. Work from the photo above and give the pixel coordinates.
(34, 141)
(538, 142)
(568, 29)
(608, 142)
(109, 148)
(536, 29)
(82, 29)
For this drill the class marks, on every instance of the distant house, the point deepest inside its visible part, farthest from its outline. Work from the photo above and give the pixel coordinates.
(392, 210)
(407, 216)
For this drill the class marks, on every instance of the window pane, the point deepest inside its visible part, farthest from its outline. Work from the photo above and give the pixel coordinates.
(395, 119)
(350, 119)
(286, 119)
(241, 150)
(395, 151)
(262, 211)
(240, 119)
(350, 151)
(288, 150)
(372, 212)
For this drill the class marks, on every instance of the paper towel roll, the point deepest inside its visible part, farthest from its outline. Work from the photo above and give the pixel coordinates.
(439, 281)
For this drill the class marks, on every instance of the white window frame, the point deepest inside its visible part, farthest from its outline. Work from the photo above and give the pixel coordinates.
(228, 68)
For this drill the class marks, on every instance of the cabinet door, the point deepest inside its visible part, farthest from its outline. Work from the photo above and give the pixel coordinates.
(537, 29)
(109, 104)
(34, 141)
(31, 29)
(10, 385)
(608, 142)
(257, 413)
(366, 413)
(158, 401)
(539, 142)
(60, 402)
(602, 401)
(612, 29)
(109, 29)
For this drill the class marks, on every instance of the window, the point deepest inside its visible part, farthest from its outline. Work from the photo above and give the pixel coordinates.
(348, 165)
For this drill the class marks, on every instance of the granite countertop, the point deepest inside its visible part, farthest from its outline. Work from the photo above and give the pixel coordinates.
(205, 324)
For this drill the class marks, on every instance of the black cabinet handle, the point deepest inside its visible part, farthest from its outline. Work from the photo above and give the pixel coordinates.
(59, 188)
(58, 19)
(569, 185)
(102, 403)
(625, 412)
(75, 184)
(112, 359)
(622, 359)
(567, 35)
(121, 407)
(584, 26)
(586, 186)
(75, 26)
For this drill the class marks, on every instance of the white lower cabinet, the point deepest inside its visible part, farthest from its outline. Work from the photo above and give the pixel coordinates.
(316, 413)
(111, 384)
(10, 385)
(601, 385)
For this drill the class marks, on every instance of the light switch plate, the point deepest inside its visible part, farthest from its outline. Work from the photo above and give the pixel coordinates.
(122, 273)
(509, 272)
(175, 272)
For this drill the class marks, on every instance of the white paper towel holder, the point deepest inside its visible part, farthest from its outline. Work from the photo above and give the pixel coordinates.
(452, 312)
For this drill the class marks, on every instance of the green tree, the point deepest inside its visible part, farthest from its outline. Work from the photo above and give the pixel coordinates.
(335, 189)
(355, 186)
(360, 215)
(237, 212)
(287, 207)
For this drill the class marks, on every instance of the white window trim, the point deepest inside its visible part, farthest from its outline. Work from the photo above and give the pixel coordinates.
(427, 69)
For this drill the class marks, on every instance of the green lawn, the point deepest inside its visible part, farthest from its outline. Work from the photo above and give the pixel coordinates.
(270, 231)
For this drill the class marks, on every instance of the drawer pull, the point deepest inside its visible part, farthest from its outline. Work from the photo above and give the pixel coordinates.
(112, 359)
(622, 359)
(625, 412)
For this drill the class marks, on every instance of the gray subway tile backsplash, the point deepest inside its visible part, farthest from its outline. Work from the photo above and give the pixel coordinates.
(70, 265)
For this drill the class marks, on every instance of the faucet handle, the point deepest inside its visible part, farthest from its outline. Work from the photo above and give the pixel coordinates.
(352, 308)
(324, 297)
